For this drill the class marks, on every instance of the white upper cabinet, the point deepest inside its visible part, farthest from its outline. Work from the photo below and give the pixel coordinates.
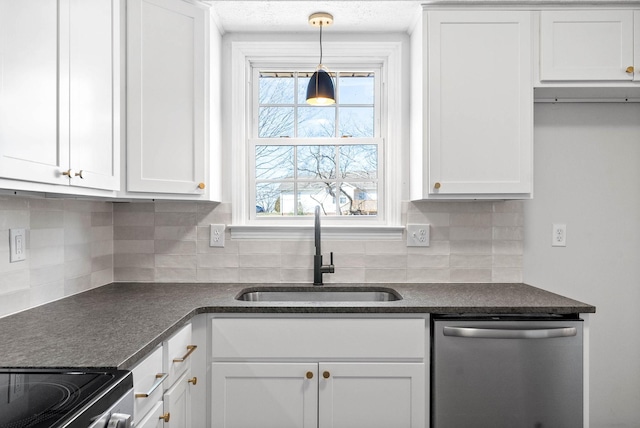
(29, 145)
(636, 45)
(476, 135)
(588, 45)
(94, 94)
(166, 98)
(59, 92)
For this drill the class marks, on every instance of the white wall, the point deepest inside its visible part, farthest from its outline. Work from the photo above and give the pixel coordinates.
(587, 175)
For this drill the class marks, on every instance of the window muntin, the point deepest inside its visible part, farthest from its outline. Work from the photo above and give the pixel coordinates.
(303, 156)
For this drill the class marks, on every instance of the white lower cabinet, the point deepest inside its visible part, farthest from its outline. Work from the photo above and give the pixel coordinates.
(327, 373)
(153, 419)
(163, 384)
(325, 395)
(371, 395)
(264, 395)
(147, 385)
(177, 402)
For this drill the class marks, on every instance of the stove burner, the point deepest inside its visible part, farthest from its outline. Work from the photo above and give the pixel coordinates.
(46, 398)
(62, 395)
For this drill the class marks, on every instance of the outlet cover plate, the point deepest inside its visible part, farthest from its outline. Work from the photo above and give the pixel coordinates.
(216, 236)
(417, 235)
(17, 245)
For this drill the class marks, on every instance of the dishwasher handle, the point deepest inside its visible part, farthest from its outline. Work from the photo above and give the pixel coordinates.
(502, 333)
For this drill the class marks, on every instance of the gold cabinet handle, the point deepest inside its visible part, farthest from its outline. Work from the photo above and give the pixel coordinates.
(68, 173)
(160, 377)
(309, 375)
(166, 417)
(193, 380)
(630, 69)
(190, 349)
(201, 186)
(437, 185)
(79, 174)
(326, 375)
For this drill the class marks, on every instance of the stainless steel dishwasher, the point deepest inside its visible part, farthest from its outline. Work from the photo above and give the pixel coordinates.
(506, 372)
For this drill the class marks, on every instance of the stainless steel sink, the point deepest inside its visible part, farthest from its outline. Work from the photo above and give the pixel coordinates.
(329, 294)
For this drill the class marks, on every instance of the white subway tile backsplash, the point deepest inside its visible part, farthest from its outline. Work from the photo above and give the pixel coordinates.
(428, 275)
(74, 245)
(470, 275)
(259, 261)
(177, 233)
(174, 274)
(176, 261)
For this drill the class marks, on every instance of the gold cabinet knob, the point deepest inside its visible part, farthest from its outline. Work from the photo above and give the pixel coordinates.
(437, 185)
(166, 417)
(79, 174)
(201, 186)
(630, 69)
(68, 173)
(193, 380)
(326, 375)
(309, 375)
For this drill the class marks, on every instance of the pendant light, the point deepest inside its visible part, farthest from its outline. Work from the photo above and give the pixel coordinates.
(320, 90)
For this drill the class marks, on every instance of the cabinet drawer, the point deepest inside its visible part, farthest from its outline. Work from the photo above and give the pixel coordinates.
(178, 351)
(317, 338)
(153, 419)
(145, 376)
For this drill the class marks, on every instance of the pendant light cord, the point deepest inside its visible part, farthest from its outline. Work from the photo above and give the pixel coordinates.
(321, 42)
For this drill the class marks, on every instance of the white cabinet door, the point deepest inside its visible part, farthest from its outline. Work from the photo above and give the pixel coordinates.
(147, 384)
(479, 103)
(94, 89)
(586, 45)
(372, 395)
(30, 147)
(636, 44)
(177, 403)
(59, 90)
(165, 97)
(265, 395)
(154, 418)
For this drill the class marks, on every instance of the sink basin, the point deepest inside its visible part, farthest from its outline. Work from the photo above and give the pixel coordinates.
(308, 294)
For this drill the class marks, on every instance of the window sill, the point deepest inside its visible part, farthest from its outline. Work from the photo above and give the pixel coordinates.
(364, 233)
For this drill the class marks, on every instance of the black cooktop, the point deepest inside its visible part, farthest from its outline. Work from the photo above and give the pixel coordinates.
(39, 398)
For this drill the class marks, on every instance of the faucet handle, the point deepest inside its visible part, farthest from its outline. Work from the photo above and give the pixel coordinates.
(331, 258)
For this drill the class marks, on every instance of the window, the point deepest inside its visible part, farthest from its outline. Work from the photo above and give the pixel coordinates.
(287, 156)
(303, 156)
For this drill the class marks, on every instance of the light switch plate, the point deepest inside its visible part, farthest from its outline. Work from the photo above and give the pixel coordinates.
(17, 245)
(417, 235)
(216, 236)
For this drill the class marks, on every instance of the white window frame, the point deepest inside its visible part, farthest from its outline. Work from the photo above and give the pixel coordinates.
(283, 54)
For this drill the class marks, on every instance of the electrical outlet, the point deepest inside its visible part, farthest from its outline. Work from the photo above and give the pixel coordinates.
(559, 235)
(17, 245)
(216, 236)
(417, 235)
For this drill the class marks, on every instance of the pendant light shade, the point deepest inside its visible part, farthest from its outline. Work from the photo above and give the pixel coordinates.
(321, 90)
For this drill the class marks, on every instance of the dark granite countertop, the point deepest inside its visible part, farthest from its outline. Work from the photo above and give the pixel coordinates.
(114, 326)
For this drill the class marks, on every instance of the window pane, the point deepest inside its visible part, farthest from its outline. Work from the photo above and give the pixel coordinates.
(317, 162)
(274, 199)
(274, 162)
(358, 198)
(274, 122)
(316, 122)
(303, 82)
(356, 121)
(356, 89)
(359, 161)
(276, 90)
(312, 194)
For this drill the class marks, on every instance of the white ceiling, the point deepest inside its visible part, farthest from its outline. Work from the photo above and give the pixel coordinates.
(292, 15)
